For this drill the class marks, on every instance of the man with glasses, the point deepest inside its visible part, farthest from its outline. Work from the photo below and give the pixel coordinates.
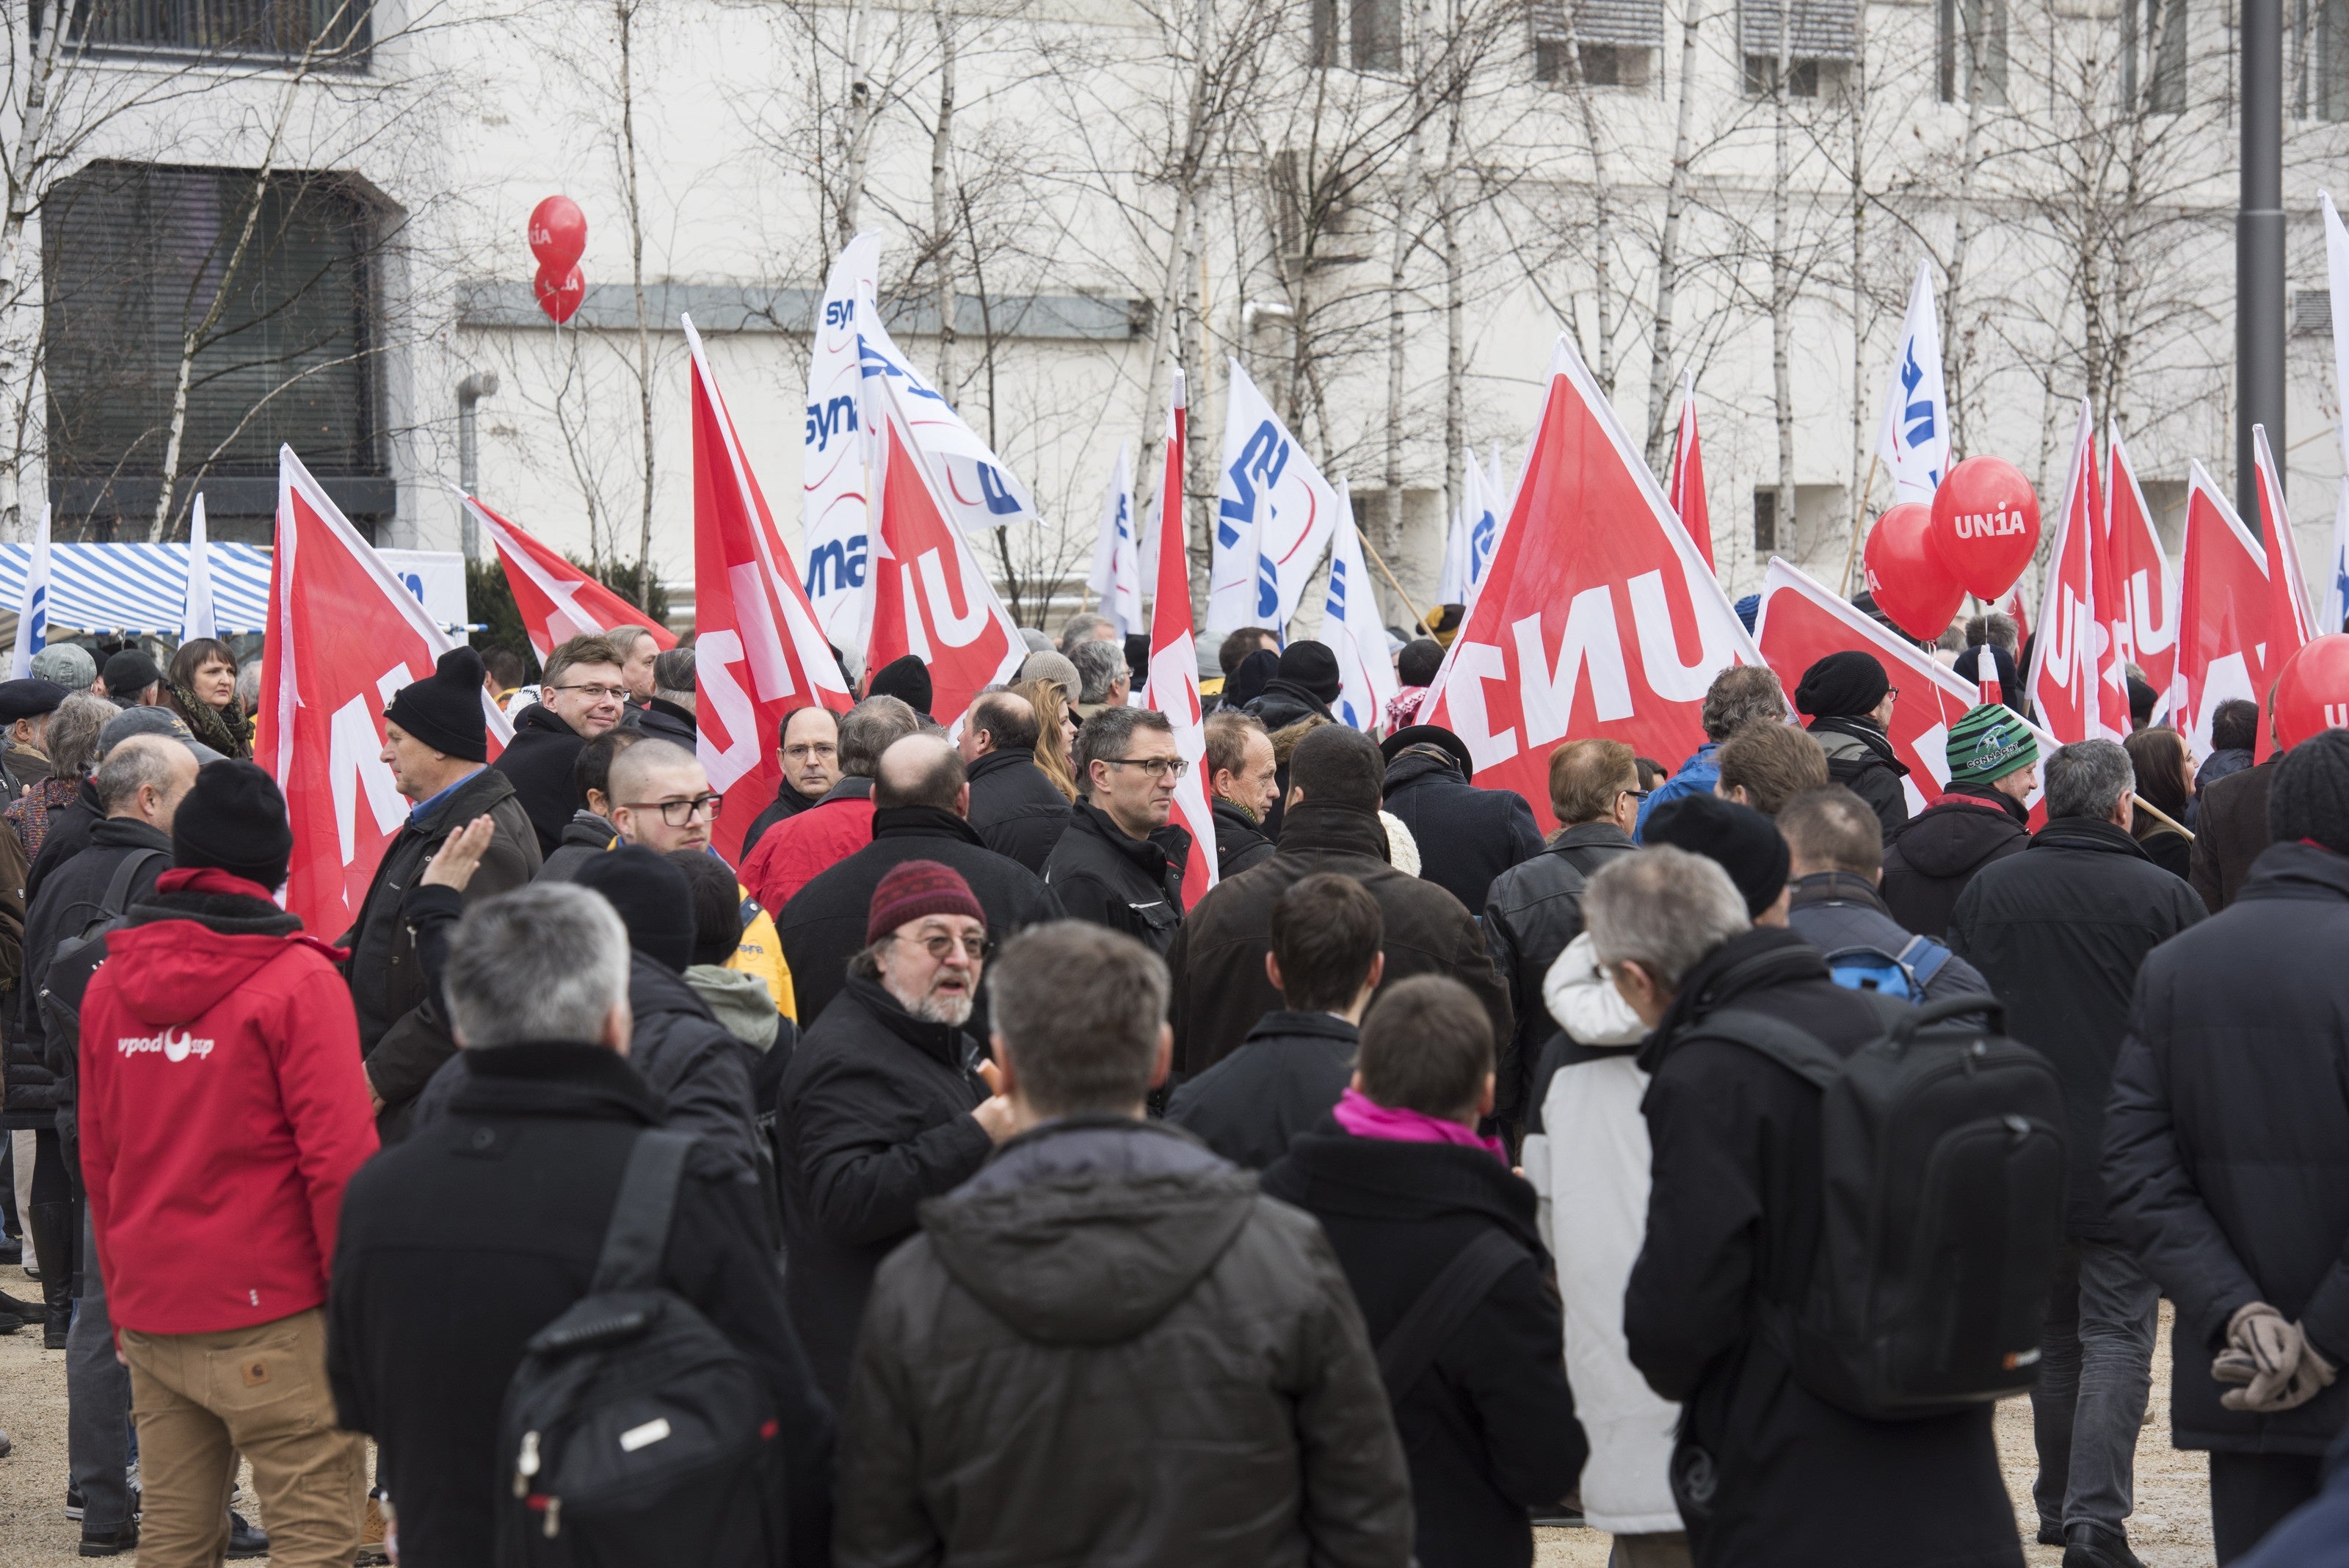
(888, 1101)
(1120, 863)
(661, 801)
(807, 749)
(582, 696)
(921, 807)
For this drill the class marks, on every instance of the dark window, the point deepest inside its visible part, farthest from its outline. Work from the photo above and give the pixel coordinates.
(2332, 61)
(1373, 34)
(2153, 53)
(1965, 25)
(1762, 78)
(133, 258)
(1765, 520)
(326, 29)
(1603, 65)
(1823, 37)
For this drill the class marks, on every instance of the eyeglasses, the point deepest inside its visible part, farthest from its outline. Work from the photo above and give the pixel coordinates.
(677, 812)
(608, 693)
(1156, 767)
(941, 946)
(1635, 794)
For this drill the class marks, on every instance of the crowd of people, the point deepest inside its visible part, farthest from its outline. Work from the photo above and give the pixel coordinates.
(925, 1181)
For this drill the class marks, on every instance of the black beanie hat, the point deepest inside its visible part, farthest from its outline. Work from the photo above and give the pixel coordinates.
(128, 673)
(444, 709)
(653, 898)
(233, 818)
(2310, 797)
(1845, 685)
(908, 679)
(1745, 843)
(1312, 666)
(1246, 684)
(2001, 663)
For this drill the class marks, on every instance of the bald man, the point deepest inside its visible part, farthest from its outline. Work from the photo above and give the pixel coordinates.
(921, 803)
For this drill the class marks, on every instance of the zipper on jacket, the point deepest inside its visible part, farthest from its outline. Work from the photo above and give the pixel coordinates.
(525, 1464)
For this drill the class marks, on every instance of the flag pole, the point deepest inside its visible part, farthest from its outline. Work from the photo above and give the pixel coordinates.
(1417, 619)
(1858, 511)
(2161, 817)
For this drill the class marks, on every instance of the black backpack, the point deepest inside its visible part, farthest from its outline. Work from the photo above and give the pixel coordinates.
(1943, 1166)
(639, 1434)
(76, 959)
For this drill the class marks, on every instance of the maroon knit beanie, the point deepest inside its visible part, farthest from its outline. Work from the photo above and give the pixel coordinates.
(914, 888)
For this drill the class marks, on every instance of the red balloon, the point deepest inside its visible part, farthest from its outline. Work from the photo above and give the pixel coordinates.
(2312, 692)
(1910, 584)
(560, 296)
(558, 233)
(1985, 524)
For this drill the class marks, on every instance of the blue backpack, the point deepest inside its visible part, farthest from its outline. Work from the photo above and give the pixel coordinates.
(1905, 975)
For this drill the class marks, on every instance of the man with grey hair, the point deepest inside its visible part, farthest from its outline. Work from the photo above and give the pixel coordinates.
(1763, 1469)
(669, 714)
(1100, 1249)
(1120, 861)
(638, 653)
(1102, 678)
(1088, 626)
(796, 850)
(512, 1191)
(2060, 932)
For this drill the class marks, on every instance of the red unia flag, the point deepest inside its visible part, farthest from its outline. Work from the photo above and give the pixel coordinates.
(2290, 619)
(557, 600)
(2143, 611)
(2066, 681)
(1687, 491)
(345, 635)
(2222, 612)
(757, 652)
(1174, 685)
(1801, 623)
(931, 598)
(1599, 618)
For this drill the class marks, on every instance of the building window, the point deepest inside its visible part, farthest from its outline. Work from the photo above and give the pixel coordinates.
(2331, 60)
(1762, 78)
(1765, 520)
(1360, 35)
(1825, 37)
(134, 257)
(2153, 53)
(1618, 40)
(1603, 65)
(1966, 24)
(322, 29)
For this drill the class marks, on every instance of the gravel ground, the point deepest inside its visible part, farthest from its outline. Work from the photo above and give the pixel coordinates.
(2171, 1529)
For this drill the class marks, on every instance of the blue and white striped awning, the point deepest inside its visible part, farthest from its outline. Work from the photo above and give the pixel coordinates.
(138, 587)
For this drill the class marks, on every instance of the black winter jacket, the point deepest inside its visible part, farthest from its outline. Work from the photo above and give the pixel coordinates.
(1489, 1430)
(1015, 810)
(1284, 702)
(2227, 1137)
(873, 1116)
(1284, 1078)
(1834, 910)
(1733, 1219)
(1860, 758)
(2060, 932)
(1241, 841)
(510, 1192)
(1108, 1346)
(585, 837)
(1217, 961)
(540, 762)
(822, 927)
(72, 896)
(1466, 836)
(1130, 885)
(1938, 854)
(788, 803)
(2229, 832)
(664, 720)
(401, 1027)
(1534, 910)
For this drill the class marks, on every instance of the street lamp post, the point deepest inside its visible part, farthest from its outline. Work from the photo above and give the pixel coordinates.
(2258, 248)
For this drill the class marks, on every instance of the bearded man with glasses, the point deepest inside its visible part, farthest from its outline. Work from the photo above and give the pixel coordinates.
(582, 696)
(888, 1101)
(1120, 863)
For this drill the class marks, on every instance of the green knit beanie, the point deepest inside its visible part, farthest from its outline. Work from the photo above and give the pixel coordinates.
(1990, 742)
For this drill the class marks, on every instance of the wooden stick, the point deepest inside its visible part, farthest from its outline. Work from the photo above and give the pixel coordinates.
(1417, 619)
(1858, 511)
(2161, 817)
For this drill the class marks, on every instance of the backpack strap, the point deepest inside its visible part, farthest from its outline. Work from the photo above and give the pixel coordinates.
(117, 902)
(1799, 1051)
(1410, 1347)
(1924, 957)
(638, 1233)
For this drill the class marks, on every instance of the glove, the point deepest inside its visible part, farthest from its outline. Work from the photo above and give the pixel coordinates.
(2263, 1352)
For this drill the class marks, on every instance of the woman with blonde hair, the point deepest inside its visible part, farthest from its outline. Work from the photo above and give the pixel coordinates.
(1053, 731)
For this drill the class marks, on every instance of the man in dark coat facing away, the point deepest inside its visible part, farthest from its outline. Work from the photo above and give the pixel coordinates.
(2060, 932)
(1405, 1188)
(1295, 1064)
(1107, 1345)
(2224, 1146)
(1466, 836)
(1015, 809)
(1850, 701)
(1764, 1470)
(2230, 829)
(1981, 817)
(512, 1191)
(884, 1105)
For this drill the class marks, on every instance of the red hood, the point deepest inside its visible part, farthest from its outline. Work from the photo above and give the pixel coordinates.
(170, 971)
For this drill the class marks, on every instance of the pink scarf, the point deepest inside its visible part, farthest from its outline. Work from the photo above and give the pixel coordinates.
(1365, 1117)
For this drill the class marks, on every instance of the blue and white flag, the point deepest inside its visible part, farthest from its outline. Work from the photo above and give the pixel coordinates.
(1912, 440)
(33, 608)
(976, 489)
(2335, 608)
(1116, 576)
(1475, 529)
(1274, 512)
(2336, 268)
(196, 617)
(835, 544)
(1351, 627)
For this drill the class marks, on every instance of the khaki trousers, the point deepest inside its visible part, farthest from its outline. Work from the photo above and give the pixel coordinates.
(200, 1399)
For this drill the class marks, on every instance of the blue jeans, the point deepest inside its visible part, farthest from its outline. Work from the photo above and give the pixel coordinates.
(97, 1405)
(2096, 1369)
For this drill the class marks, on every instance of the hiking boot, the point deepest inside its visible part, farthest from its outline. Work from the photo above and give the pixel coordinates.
(31, 1312)
(123, 1538)
(245, 1540)
(2088, 1545)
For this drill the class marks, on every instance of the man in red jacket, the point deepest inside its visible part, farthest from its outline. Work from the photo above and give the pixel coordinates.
(794, 852)
(222, 1113)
